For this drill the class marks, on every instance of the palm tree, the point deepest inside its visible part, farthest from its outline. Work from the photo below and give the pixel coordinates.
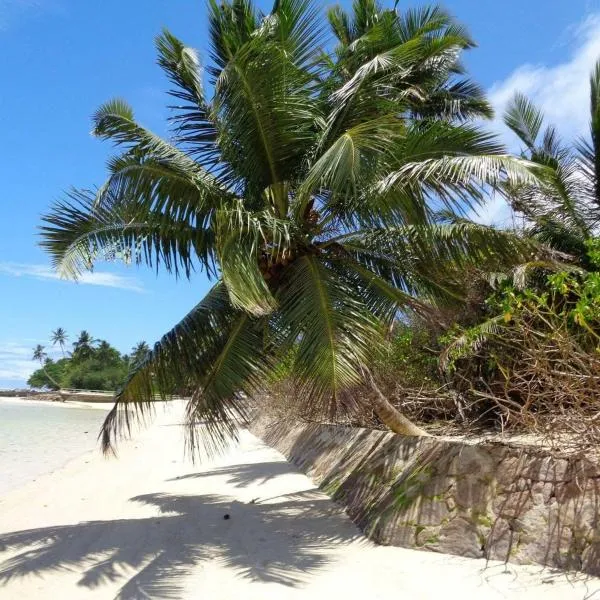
(84, 344)
(564, 211)
(40, 354)
(139, 352)
(59, 336)
(308, 186)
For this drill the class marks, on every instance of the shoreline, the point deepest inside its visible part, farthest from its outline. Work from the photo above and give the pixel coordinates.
(60, 395)
(58, 403)
(39, 437)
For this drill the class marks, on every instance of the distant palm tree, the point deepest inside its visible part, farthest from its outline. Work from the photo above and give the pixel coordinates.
(309, 185)
(84, 344)
(59, 336)
(139, 352)
(39, 354)
(564, 211)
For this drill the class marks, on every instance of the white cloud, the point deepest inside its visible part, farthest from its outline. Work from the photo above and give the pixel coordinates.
(16, 363)
(44, 272)
(561, 91)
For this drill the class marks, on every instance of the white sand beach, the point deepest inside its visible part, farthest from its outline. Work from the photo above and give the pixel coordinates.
(151, 525)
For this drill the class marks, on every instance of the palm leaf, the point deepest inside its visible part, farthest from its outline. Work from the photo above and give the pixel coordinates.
(216, 351)
(336, 335)
(525, 119)
(77, 232)
(595, 126)
(194, 118)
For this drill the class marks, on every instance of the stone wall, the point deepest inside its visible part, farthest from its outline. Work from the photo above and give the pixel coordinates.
(485, 501)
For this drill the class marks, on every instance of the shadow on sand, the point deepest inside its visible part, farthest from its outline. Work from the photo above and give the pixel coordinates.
(242, 476)
(280, 542)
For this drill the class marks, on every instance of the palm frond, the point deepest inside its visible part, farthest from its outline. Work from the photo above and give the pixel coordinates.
(193, 118)
(335, 334)
(269, 110)
(77, 232)
(296, 26)
(339, 21)
(365, 13)
(525, 119)
(595, 126)
(464, 345)
(379, 293)
(459, 181)
(430, 261)
(167, 185)
(460, 100)
(245, 282)
(115, 121)
(231, 25)
(217, 352)
(349, 160)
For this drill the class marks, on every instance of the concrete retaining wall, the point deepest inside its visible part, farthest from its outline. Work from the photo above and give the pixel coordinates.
(492, 501)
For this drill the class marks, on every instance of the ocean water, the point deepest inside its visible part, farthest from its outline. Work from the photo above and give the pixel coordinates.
(37, 438)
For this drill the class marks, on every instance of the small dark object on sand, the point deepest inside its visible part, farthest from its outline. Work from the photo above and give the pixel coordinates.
(226, 517)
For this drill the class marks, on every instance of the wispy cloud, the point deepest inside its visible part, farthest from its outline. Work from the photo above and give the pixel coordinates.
(16, 364)
(561, 91)
(44, 272)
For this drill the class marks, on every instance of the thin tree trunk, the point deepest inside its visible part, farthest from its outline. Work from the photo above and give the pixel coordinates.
(51, 378)
(389, 414)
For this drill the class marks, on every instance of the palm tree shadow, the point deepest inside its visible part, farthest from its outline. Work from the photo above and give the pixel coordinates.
(242, 476)
(280, 543)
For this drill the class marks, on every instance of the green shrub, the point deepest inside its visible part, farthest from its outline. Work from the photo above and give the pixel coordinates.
(410, 357)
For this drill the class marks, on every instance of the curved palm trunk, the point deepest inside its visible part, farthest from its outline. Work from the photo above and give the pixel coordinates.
(390, 415)
(51, 378)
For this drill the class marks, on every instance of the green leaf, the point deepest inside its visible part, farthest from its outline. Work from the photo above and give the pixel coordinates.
(335, 333)
(216, 353)
(78, 232)
(525, 119)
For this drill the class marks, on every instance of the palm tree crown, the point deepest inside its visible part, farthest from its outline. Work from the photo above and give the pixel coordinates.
(59, 336)
(39, 354)
(308, 186)
(564, 211)
(84, 343)
(139, 352)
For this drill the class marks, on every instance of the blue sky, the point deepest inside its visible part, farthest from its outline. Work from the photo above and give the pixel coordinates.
(62, 58)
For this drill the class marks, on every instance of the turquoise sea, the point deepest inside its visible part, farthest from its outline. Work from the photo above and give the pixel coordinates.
(37, 438)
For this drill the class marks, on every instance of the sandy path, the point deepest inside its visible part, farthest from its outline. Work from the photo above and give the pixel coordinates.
(151, 525)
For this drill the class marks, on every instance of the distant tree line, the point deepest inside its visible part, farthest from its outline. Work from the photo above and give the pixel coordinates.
(92, 364)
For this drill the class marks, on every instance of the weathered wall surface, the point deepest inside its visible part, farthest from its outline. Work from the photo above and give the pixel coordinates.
(488, 501)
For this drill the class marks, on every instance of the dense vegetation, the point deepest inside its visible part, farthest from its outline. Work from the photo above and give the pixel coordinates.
(523, 352)
(326, 189)
(92, 364)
